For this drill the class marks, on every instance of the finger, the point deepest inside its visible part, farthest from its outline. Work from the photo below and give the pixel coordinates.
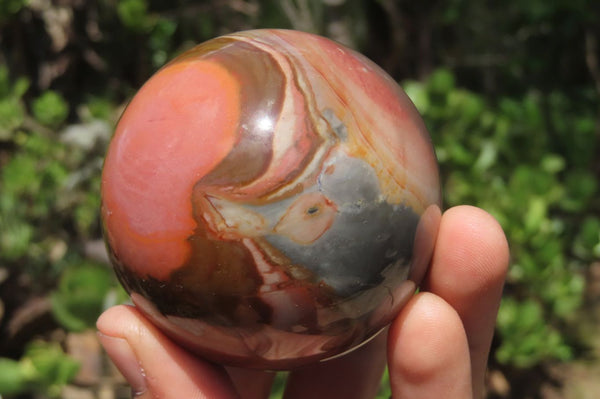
(428, 354)
(153, 365)
(353, 376)
(468, 269)
(251, 384)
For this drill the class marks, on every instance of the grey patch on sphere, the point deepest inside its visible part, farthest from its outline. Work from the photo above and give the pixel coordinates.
(368, 234)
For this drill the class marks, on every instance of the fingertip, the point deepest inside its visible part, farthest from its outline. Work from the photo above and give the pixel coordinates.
(471, 252)
(113, 321)
(417, 338)
(483, 232)
(428, 353)
(155, 365)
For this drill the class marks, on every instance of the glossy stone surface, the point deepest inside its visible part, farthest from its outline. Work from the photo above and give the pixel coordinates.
(270, 198)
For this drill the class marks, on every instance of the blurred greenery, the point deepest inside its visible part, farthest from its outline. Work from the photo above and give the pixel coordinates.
(509, 91)
(43, 368)
(81, 295)
(493, 156)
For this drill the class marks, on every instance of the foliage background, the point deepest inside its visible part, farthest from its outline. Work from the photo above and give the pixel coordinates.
(510, 93)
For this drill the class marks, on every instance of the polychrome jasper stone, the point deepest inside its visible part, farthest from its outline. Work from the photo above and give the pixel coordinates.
(270, 199)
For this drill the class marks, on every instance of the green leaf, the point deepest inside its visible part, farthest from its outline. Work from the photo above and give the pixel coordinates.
(416, 92)
(20, 87)
(487, 156)
(50, 109)
(100, 108)
(20, 176)
(61, 309)
(278, 387)
(53, 367)
(134, 15)
(553, 163)
(587, 242)
(581, 187)
(79, 299)
(536, 213)
(385, 391)
(8, 8)
(527, 337)
(15, 238)
(44, 367)
(441, 81)
(87, 212)
(12, 115)
(160, 39)
(13, 379)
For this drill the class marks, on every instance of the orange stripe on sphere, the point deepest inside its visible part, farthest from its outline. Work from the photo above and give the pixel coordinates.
(179, 126)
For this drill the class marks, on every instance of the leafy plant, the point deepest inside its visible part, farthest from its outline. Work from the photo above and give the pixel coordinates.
(496, 156)
(8, 8)
(514, 118)
(44, 368)
(12, 110)
(134, 15)
(531, 341)
(50, 109)
(81, 294)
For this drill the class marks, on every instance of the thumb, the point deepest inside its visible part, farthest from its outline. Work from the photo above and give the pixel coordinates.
(153, 365)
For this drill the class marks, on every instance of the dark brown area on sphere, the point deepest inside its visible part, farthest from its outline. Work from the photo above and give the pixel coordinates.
(219, 284)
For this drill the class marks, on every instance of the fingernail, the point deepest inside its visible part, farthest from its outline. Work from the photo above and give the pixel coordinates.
(123, 357)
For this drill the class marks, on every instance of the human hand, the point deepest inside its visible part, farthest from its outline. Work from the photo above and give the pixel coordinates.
(437, 346)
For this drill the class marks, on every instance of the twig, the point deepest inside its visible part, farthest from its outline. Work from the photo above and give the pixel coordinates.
(249, 8)
(31, 124)
(593, 65)
(591, 57)
(398, 36)
(300, 15)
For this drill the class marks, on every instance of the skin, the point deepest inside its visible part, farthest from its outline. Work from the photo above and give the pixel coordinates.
(437, 346)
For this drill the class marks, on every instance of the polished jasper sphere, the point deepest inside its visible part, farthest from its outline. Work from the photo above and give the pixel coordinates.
(270, 198)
